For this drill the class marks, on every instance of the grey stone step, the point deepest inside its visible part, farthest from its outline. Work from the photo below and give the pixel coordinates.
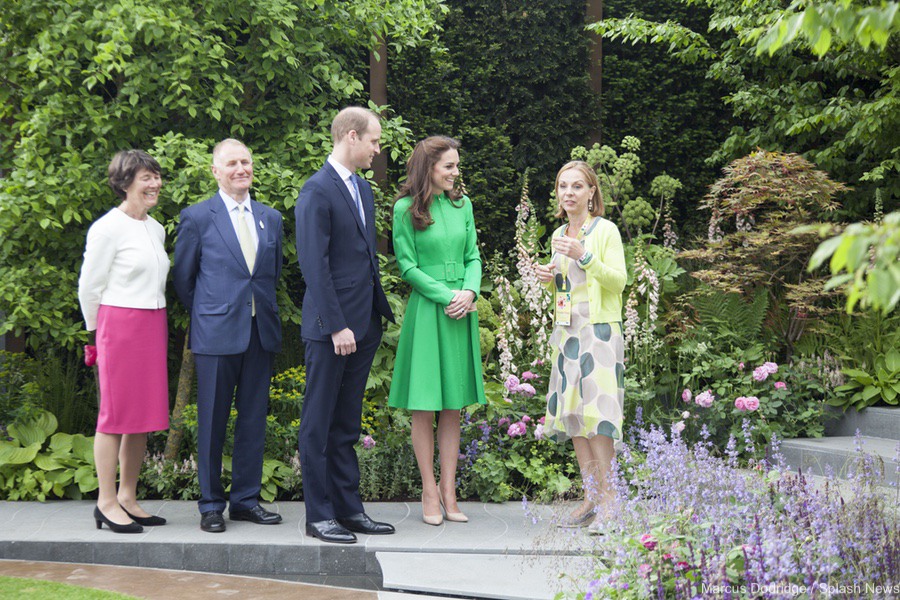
(488, 576)
(812, 455)
(64, 531)
(875, 421)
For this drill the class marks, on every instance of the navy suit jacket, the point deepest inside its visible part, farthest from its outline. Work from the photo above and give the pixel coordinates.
(337, 257)
(212, 279)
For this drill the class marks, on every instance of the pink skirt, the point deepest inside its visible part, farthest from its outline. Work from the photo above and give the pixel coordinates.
(131, 362)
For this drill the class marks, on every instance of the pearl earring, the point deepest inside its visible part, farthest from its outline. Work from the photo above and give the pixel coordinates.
(590, 206)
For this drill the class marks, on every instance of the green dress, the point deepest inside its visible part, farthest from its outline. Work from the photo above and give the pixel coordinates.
(438, 363)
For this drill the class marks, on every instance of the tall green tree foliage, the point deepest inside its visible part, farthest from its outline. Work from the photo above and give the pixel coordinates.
(512, 84)
(670, 105)
(840, 109)
(81, 80)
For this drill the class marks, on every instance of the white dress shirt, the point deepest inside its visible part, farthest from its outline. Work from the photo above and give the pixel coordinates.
(234, 211)
(125, 265)
(345, 174)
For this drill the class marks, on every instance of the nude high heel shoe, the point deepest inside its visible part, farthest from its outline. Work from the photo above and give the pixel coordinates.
(456, 517)
(431, 519)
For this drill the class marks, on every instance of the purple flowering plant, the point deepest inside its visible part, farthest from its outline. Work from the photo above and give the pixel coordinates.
(691, 524)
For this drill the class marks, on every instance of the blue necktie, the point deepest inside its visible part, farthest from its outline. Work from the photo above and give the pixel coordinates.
(357, 199)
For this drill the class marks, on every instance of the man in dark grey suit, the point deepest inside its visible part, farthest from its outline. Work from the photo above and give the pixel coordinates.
(227, 264)
(342, 327)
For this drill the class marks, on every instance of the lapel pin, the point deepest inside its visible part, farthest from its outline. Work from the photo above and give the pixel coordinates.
(261, 226)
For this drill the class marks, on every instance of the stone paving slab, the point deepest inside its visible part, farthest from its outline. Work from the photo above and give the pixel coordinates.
(840, 454)
(492, 576)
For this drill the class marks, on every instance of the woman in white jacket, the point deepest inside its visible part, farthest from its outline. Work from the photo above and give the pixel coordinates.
(122, 295)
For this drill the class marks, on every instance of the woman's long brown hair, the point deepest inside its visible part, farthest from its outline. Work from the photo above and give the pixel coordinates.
(426, 154)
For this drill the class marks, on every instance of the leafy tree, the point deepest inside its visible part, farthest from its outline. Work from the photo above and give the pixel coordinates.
(82, 80)
(752, 244)
(864, 258)
(841, 110)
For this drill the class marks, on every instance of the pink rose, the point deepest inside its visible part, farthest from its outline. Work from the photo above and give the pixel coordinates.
(751, 402)
(541, 420)
(516, 429)
(527, 389)
(741, 403)
(528, 375)
(705, 399)
(526, 419)
(740, 366)
(539, 432)
(686, 415)
(644, 570)
(760, 374)
(368, 442)
(682, 566)
(512, 383)
(780, 385)
(648, 541)
(686, 395)
(503, 421)
(770, 367)
(678, 427)
(667, 556)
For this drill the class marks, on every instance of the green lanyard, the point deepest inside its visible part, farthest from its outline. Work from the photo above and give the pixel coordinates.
(566, 285)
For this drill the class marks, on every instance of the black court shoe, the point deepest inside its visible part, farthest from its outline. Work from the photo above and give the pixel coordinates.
(151, 521)
(100, 518)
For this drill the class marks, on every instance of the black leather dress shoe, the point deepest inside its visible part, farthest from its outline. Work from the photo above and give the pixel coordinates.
(361, 523)
(212, 521)
(330, 531)
(257, 515)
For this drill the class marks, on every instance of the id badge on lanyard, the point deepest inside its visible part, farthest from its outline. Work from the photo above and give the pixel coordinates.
(563, 300)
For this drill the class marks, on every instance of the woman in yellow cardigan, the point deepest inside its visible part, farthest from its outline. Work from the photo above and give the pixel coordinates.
(586, 392)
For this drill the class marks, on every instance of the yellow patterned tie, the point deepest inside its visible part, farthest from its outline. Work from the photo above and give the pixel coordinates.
(247, 247)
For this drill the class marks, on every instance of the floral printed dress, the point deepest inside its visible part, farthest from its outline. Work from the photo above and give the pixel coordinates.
(587, 382)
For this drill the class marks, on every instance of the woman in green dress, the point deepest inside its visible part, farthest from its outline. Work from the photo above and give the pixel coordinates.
(586, 390)
(438, 363)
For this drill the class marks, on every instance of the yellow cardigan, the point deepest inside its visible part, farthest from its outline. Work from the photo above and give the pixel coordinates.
(606, 272)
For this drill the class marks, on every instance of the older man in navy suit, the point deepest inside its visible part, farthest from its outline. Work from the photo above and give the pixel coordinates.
(342, 326)
(227, 264)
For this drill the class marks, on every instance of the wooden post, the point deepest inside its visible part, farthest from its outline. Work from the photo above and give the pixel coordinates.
(185, 381)
(378, 94)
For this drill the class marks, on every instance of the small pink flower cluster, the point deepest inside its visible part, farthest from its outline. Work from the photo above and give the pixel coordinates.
(780, 385)
(762, 372)
(747, 403)
(648, 541)
(514, 386)
(368, 442)
(519, 428)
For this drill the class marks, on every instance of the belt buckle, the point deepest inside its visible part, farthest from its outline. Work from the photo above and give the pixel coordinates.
(450, 270)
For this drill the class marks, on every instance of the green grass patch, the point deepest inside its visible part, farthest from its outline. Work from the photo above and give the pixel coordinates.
(15, 587)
